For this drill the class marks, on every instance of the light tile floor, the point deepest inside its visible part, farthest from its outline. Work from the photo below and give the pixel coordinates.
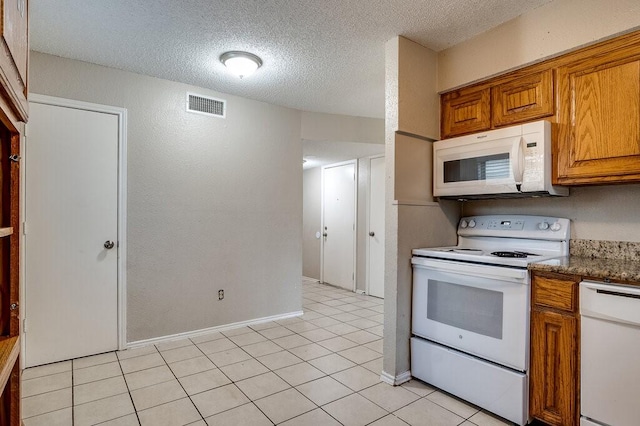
(322, 368)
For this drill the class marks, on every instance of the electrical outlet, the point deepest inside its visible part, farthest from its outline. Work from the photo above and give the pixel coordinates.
(220, 294)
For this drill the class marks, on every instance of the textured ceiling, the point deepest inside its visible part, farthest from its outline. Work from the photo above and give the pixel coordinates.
(319, 55)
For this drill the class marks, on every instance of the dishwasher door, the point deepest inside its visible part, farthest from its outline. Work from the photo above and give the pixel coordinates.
(610, 354)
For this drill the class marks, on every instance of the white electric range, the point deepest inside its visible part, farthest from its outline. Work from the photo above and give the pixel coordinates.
(470, 319)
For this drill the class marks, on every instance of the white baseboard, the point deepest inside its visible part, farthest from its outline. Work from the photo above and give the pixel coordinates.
(201, 332)
(395, 380)
(315, 280)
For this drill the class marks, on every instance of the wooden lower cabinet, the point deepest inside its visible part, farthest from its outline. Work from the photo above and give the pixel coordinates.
(555, 343)
(554, 367)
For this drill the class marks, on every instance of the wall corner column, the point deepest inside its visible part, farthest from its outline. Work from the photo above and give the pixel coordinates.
(413, 218)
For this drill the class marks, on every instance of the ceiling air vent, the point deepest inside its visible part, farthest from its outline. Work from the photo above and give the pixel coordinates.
(206, 105)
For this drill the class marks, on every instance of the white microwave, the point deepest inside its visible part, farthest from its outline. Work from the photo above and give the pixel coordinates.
(510, 162)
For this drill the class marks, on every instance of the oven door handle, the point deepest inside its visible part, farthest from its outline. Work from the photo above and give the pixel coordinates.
(483, 271)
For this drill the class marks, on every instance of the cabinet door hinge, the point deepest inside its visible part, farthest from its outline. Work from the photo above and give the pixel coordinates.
(24, 228)
(24, 325)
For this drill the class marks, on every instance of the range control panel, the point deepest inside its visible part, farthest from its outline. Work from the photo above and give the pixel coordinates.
(515, 226)
(505, 224)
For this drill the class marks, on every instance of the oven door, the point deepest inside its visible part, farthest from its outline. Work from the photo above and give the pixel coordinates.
(478, 309)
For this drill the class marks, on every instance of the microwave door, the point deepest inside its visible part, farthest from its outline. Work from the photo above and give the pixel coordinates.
(518, 163)
(478, 168)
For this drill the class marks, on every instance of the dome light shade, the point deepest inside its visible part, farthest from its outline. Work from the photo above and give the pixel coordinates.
(241, 64)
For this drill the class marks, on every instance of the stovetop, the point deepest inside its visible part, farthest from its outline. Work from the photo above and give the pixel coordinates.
(514, 240)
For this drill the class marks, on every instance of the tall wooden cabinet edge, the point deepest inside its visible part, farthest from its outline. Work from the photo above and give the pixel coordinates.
(14, 74)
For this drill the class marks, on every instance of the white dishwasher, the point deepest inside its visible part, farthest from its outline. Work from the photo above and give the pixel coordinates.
(610, 354)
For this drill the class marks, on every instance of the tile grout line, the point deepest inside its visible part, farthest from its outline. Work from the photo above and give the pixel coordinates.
(129, 390)
(180, 383)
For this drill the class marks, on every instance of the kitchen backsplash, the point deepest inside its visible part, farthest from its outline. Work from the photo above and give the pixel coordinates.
(622, 250)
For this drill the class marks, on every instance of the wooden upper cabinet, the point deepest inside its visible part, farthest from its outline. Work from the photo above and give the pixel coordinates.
(15, 56)
(502, 103)
(523, 99)
(599, 119)
(465, 112)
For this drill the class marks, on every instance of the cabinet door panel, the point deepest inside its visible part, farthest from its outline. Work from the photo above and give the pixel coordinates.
(555, 293)
(523, 99)
(599, 121)
(553, 367)
(465, 112)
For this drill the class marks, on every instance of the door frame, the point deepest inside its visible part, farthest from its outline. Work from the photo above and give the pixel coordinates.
(368, 224)
(355, 219)
(121, 113)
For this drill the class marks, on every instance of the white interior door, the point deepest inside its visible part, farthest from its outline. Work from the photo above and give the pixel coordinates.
(339, 204)
(376, 228)
(71, 215)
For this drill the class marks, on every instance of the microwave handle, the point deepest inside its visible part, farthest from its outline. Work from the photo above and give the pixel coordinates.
(518, 163)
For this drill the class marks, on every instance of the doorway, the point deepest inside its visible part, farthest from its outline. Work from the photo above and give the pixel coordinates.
(339, 195)
(74, 230)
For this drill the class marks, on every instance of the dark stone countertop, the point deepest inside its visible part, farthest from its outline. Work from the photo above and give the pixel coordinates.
(602, 269)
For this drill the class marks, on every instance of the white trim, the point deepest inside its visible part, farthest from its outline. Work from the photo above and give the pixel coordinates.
(23, 250)
(355, 219)
(395, 380)
(368, 249)
(121, 113)
(203, 331)
(415, 203)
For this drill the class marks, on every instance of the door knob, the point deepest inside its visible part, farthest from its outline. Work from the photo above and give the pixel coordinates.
(109, 244)
(372, 234)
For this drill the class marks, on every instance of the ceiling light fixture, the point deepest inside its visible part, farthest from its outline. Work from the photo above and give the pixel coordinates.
(241, 64)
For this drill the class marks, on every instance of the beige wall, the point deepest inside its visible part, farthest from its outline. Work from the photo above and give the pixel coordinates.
(418, 102)
(311, 221)
(412, 218)
(597, 213)
(541, 33)
(317, 126)
(213, 203)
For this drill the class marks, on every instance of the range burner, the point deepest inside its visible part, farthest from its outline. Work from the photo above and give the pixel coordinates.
(467, 251)
(518, 254)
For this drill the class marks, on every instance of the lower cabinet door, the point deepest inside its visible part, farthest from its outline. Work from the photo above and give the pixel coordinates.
(553, 367)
